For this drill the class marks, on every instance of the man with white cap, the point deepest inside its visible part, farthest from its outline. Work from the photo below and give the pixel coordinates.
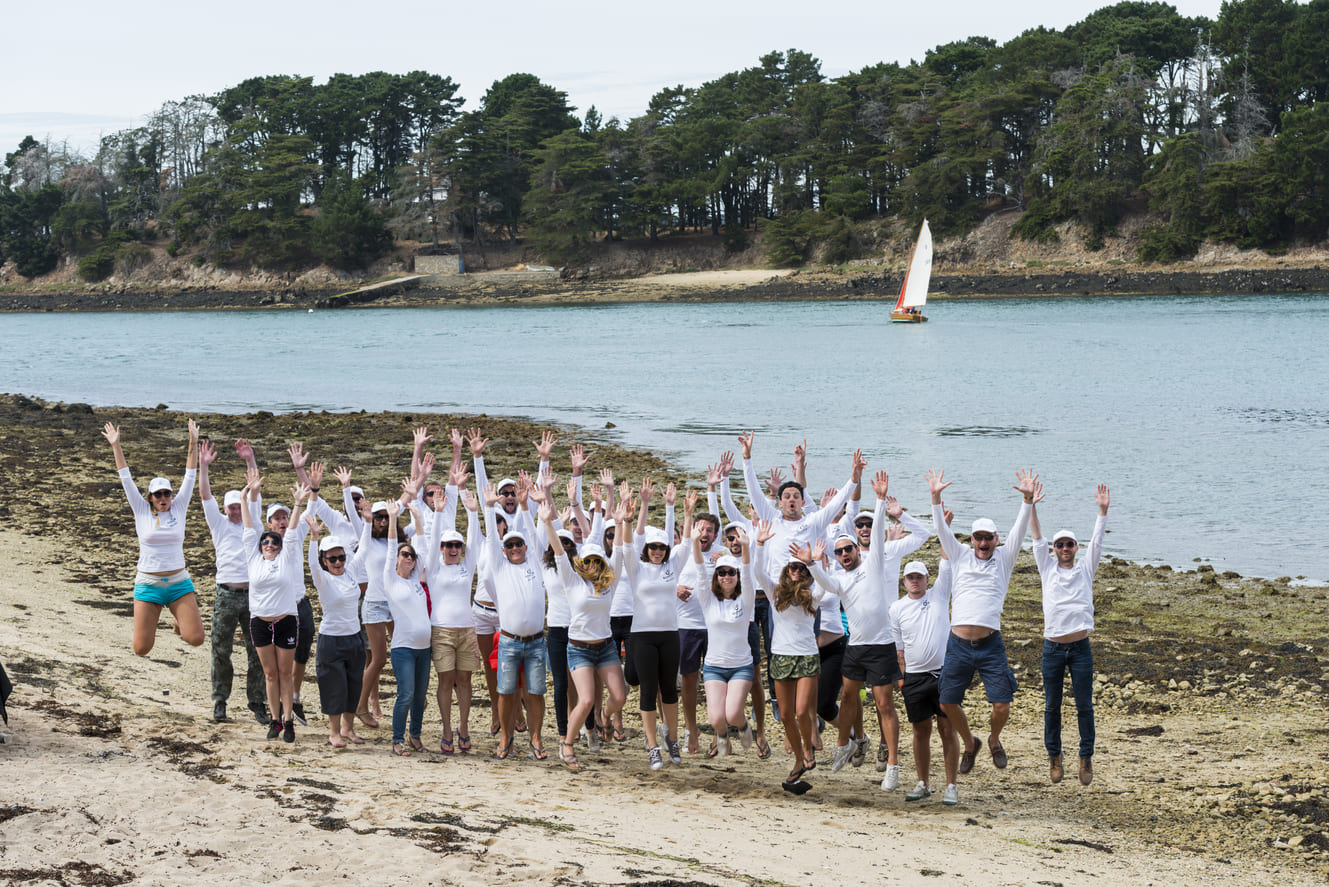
(920, 624)
(230, 602)
(982, 576)
(1068, 618)
(518, 589)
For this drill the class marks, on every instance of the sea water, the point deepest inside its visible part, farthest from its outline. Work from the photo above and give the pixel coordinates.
(1208, 417)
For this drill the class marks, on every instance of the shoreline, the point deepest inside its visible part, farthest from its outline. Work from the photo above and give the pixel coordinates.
(486, 289)
(1209, 701)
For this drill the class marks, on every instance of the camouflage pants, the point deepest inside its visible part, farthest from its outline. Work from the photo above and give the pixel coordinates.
(230, 610)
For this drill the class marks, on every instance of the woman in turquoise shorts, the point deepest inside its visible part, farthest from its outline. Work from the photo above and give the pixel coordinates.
(159, 520)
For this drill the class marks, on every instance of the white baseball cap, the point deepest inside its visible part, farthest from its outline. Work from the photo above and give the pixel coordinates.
(1065, 534)
(157, 484)
(276, 507)
(331, 542)
(983, 525)
(915, 568)
(233, 497)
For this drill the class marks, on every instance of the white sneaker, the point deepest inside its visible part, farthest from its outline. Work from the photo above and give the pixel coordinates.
(657, 762)
(842, 755)
(951, 796)
(892, 779)
(745, 736)
(722, 746)
(860, 751)
(675, 755)
(592, 738)
(920, 792)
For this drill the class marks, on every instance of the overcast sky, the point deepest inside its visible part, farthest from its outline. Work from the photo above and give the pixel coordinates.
(82, 69)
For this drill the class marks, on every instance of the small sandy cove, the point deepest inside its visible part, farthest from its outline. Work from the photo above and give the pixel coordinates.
(116, 774)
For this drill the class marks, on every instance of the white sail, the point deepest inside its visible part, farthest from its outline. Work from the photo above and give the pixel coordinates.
(915, 291)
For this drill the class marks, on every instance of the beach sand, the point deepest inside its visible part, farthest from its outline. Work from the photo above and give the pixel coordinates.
(1210, 769)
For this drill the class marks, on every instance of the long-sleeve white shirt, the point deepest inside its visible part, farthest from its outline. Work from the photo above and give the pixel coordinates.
(805, 531)
(518, 589)
(588, 612)
(654, 586)
(338, 595)
(411, 629)
(727, 621)
(272, 591)
(791, 628)
(228, 542)
(161, 534)
(450, 584)
(979, 587)
(1068, 595)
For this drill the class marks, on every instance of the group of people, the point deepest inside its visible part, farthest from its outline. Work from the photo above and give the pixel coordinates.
(600, 598)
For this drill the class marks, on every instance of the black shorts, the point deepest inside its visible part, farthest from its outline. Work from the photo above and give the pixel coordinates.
(304, 611)
(873, 664)
(692, 649)
(282, 633)
(922, 698)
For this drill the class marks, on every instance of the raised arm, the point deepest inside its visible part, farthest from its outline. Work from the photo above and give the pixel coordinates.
(1101, 498)
(823, 518)
(191, 457)
(936, 483)
(765, 510)
(1027, 482)
(112, 435)
(207, 454)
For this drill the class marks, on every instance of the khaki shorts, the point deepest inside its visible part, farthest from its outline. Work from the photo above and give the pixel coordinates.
(454, 649)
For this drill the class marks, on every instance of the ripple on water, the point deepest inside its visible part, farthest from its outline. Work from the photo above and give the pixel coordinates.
(985, 431)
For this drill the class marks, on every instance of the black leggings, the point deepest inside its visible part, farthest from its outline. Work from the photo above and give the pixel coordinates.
(829, 682)
(656, 655)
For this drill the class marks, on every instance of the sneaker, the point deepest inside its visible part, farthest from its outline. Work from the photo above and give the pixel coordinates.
(661, 733)
(592, 738)
(745, 736)
(219, 710)
(288, 735)
(657, 763)
(274, 729)
(883, 755)
(892, 780)
(1086, 771)
(675, 756)
(842, 756)
(260, 714)
(723, 746)
(298, 711)
(1055, 769)
(860, 751)
(920, 792)
(951, 796)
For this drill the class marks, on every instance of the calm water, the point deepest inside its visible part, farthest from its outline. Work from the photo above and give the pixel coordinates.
(1208, 417)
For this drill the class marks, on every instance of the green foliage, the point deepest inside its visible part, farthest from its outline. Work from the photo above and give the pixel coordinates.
(347, 233)
(96, 266)
(788, 239)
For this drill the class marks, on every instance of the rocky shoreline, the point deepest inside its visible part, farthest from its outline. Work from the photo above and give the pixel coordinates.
(510, 289)
(1210, 689)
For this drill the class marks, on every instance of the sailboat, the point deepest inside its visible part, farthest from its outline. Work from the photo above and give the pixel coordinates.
(914, 291)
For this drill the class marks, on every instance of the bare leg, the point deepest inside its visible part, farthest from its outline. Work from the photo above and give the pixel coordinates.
(368, 706)
(145, 626)
(889, 721)
(923, 750)
(806, 707)
(267, 657)
(689, 699)
(463, 685)
(786, 694)
(486, 643)
(286, 674)
(1001, 713)
(188, 622)
(716, 706)
(950, 749)
(960, 724)
(535, 718)
(851, 709)
(446, 680)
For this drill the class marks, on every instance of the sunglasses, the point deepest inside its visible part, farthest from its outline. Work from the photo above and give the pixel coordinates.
(656, 546)
(860, 524)
(1064, 543)
(162, 494)
(507, 492)
(845, 550)
(732, 537)
(983, 537)
(796, 566)
(270, 543)
(514, 543)
(724, 572)
(380, 515)
(429, 494)
(452, 544)
(409, 554)
(335, 558)
(355, 498)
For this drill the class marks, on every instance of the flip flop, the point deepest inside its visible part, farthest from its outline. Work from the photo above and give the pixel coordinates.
(809, 762)
(400, 750)
(504, 751)
(620, 734)
(445, 746)
(521, 727)
(463, 742)
(494, 728)
(570, 758)
(713, 750)
(537, 754)
(763, 748)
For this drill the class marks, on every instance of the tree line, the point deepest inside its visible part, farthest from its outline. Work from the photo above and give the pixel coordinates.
(1219, 127)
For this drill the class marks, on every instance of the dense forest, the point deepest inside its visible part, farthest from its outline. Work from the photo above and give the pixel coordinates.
(1218, 128)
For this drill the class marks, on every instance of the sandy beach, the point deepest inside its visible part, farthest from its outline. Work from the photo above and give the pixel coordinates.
(1210, 767)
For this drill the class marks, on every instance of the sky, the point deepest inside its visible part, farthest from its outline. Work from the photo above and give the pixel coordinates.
(87, 69)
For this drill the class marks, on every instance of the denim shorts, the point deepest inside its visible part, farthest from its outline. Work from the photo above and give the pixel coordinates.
(582, 657)
(737, 673)
(986, 657)
(375, 612)
(514, 655)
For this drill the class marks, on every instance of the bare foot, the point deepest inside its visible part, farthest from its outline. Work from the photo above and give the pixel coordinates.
(352, 738)
(694, 743)
(336, 741)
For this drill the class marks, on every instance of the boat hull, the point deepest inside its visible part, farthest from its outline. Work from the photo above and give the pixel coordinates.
(907, 317)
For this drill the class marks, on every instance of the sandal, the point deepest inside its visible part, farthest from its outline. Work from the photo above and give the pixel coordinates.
(713, 750)
(367, 719)
(569, 758)
(521, 726)
(463, 742)
(494, 728)
(810, 762)
(763, 748)
(400, 750)
(445, 746)
(620, 734)
(795, 776)
(416, 744)
(537, 754)
(504, 751)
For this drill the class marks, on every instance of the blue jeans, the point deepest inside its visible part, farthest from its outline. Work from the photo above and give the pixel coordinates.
(556, 648)
(411, 669)
(987, 658)
(1078, 659)
(514, 655)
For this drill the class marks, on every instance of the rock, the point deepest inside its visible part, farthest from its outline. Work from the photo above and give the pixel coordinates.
(1183, 685)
